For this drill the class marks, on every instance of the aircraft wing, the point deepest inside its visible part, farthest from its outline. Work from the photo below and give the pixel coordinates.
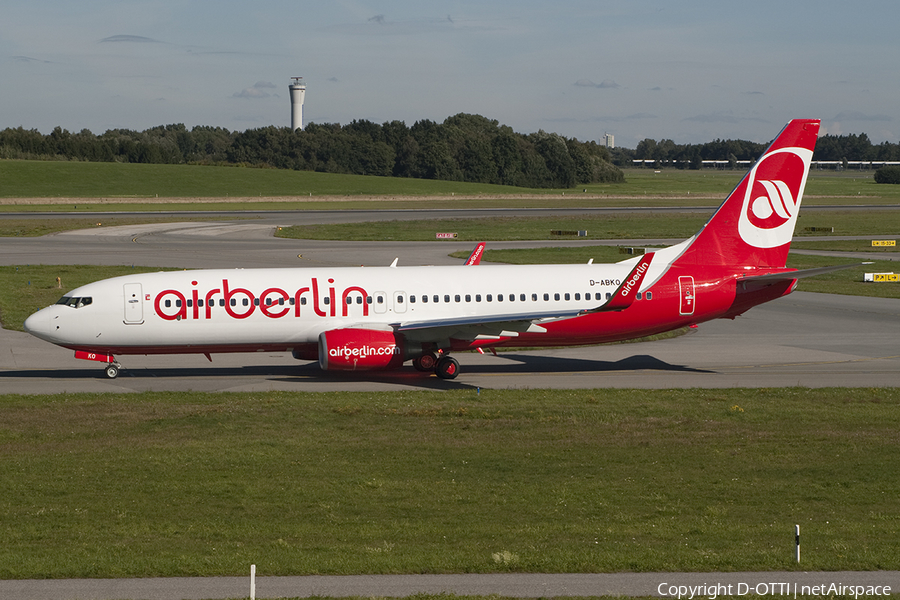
(475, 327)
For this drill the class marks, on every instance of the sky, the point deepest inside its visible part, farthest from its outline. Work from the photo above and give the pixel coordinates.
(691, 71)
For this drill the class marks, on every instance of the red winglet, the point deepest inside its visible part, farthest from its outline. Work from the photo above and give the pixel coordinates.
(626, 292)
(475, 257)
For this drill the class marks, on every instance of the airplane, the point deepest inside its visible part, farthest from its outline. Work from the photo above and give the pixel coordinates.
(374, 318)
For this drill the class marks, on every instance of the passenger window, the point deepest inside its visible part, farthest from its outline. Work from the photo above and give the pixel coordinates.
(598, 296)
(380, 299)
(425, 298)
(534, 297)
(436, 298)
(168, 303)
(489, 298)
(327, 300)
(608, 295)
(477, 297)
(246, 302)
(221, 301)
(457, 298)
(556, 296)
(302, 301)
(546, 297)
(468, 298)
(368, 300)
(499, 297)
(567, 296)
(399, 300)
(521, 297)
(512, 297)
(447, 298)
(255, 302)
(577, 296)
(638, 296)
(649, 295)
(412, 298)
(359, 300)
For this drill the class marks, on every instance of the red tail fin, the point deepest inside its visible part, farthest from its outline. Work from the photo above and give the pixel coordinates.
(755, 224)
(475, 257)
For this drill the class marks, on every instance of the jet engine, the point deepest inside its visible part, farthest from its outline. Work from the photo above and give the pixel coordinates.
(360, 350)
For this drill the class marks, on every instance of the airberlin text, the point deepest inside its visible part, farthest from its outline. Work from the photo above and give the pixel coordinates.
(635, 278)
(779, 588)
(273, 302)
(364, 351)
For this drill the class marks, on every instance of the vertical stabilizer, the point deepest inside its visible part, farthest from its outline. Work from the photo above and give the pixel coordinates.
(755, 224)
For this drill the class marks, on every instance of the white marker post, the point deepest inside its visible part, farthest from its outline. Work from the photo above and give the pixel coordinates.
(252, 582)
(797, 530)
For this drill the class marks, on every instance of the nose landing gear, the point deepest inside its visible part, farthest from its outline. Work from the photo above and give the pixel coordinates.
(112, 370)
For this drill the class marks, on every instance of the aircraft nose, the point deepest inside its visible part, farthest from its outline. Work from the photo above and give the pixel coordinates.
(38, 324)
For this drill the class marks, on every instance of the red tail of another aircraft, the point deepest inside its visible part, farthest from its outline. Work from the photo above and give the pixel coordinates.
(754, 226)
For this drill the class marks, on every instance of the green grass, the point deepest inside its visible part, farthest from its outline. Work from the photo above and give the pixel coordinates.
(36, 179)
(174, 484)
(612, 226)
(844, 246)
(128, 186)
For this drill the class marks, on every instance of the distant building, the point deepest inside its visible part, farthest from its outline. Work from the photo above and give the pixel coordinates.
(609, 140)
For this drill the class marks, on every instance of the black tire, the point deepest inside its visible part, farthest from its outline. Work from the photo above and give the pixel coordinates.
(425, 363)
(112, 371)
(447, 368)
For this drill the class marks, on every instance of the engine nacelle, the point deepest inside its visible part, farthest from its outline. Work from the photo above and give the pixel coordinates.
(360, 350)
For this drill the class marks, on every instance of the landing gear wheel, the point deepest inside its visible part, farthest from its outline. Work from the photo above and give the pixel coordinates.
(447, 368)
(112, 371)
(425, 362)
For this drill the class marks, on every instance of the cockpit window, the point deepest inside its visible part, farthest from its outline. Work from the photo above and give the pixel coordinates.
(75, 302)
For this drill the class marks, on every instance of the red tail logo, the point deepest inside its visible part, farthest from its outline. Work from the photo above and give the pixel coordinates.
(772, 199)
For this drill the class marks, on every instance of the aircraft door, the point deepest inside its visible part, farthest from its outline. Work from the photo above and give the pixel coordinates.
(134, 304)
(686, 292)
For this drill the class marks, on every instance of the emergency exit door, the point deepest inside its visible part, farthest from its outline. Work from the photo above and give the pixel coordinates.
(686, 291)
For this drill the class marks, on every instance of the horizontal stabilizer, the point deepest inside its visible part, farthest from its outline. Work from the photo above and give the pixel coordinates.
(801, 274)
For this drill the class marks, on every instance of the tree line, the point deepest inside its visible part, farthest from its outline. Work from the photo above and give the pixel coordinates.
(464, 147)
(828, 148)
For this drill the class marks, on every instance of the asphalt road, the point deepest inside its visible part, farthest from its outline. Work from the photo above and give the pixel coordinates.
(804, 339)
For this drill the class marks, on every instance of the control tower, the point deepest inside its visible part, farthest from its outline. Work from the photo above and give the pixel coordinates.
(298, 93)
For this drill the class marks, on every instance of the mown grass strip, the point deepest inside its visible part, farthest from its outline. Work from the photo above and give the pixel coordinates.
(643, 225)
(168, 484)
(134, 182)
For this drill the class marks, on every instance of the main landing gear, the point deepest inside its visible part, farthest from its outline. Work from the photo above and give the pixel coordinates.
(445, 367)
